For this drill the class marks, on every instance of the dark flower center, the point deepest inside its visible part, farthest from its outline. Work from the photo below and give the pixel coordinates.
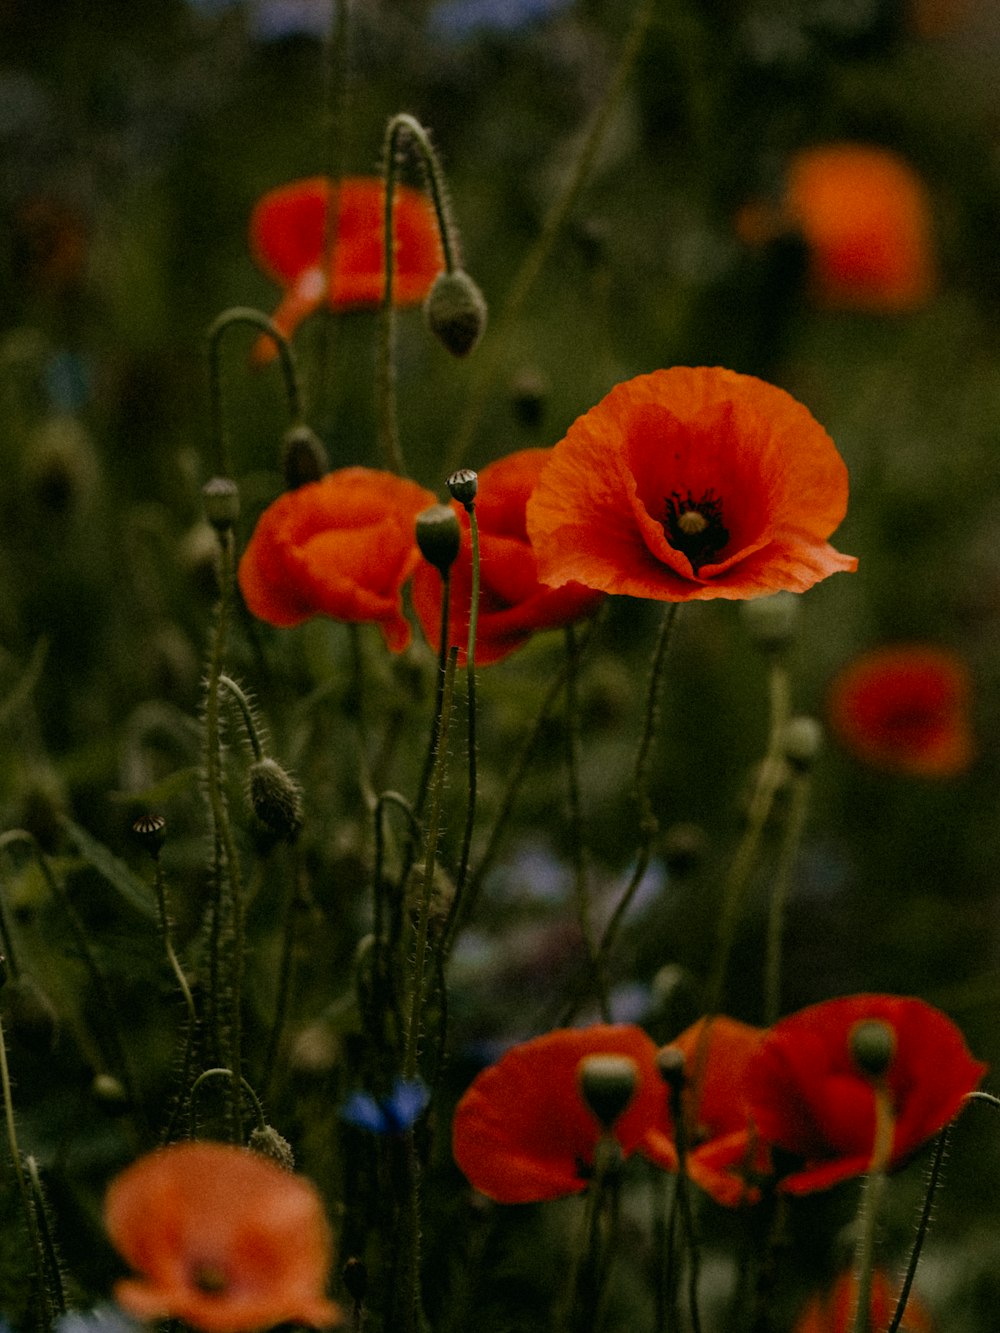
(209, 1279)
(695, 527)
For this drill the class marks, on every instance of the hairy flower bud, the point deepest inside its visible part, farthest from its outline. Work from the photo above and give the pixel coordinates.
(303, 456)
(456, 312)
(269, 1143)
(275, 798)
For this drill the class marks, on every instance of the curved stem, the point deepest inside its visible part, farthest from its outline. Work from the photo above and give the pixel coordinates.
(22, 1182)
(490, 361)
(249, 722)
(222, 1072)
(237, 315)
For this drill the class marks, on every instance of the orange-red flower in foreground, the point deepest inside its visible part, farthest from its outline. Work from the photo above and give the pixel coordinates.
(866, 219)
(222, 1239)
(522, 1132)
(724, 1155)
(342, 546)
(808, 1096)
(906, 709)
(289, 241)
(513, 605)
(833, 1311)
(689, 484)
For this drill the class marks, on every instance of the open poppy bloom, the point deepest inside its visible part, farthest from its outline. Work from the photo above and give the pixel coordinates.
(513, 605)
(725, 1157)
(522, 1131)
(222, 1238)
(809, 1097)
(865, 217)
(289, 240)
(342, 546)
(833, 1311)
(688, 484)
(906, 709)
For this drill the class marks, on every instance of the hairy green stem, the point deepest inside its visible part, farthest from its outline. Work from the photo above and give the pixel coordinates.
(27, 1202)
(470, 679)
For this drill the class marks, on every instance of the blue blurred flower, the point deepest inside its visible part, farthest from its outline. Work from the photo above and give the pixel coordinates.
(456, 19)
(102, 1319)
(388, 1115)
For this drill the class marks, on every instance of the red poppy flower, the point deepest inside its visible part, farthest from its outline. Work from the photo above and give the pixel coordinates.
(289, 241)
(690, 484)
(342, 546)
(223, 1239)
(522, 1132)
(866, 219)
(513, 605)
(724, 1154)
(906, 709)
(833, 1311)
(808, 1096)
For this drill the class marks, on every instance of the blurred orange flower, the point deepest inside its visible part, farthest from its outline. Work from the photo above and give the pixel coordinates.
(342, 546)
(865, 216)
(905, 709)
(513, 605)
(809, 1097)
(522, 1131)
(724, 1155)
(222, 1238)
(833, 1311)
(689, 484)
(289, 241)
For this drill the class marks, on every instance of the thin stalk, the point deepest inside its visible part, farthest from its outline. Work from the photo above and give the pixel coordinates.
(576, 834)
(769, 777)
(873, 1192)
(27, 1202)
(794, 827)
(423, 917)
(55, 1281)
(443, 646)
(285, 966)
(237, 315)
(361, 717)
(163, 921)
(222, 1072)
(470, 679)
(490, 359)
(683, 1201)
(246, 712)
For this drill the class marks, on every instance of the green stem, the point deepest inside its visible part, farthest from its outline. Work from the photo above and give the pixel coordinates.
(922, 1227)
(237, 315)
(22, 1183)
(576, 833)
(490, 360)
(361, 717)
(470, 679)
(55, 1278)
(794, 827)
(683, 1200)
(769, 778)
(427, 887)
(243, 1085)
(249, 722)
(337, 103)
(873, 1191)
(286, 965)
(443, 647)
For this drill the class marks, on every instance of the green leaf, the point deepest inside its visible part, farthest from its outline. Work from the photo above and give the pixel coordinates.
(110, 868)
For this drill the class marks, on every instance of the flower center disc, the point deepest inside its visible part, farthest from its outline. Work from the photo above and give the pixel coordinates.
(695, 527)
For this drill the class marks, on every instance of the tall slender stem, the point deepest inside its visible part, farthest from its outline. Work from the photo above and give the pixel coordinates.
(22, 1184)
(576, 834)
(794, 827)
(470, 679)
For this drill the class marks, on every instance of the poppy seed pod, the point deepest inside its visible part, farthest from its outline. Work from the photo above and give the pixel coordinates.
(803, 741)
(275, 798)
(464, 486)
(150, 830)
(222, 502)
(303, 456)
(439, 536)
(455, 310)
(608, 1084)
(873, 1045)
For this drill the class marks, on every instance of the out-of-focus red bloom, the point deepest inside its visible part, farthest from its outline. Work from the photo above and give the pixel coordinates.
(724, 1154)
(906, 709)
(513, 605)
(808, 1097)
(833, 1311)
(289, 241)
(222, 1238)
(522, 1132)
(342, 546)
(689, 484)
(865, 216)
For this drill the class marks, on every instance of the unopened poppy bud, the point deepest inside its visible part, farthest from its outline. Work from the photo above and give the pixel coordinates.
(269, 1143)
(455, 310)
(873, 1046)
(355, 1274)
(303, 456)
(608, 1084)
(464, 486)
(772, 621)
(802, 742)
(151, 832)
(670, 1063)
(222, 502)
(439, 536)
(275, 798)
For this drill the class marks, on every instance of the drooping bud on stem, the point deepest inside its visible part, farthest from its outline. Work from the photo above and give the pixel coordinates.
(222, 503)
(275, 798)
(303, 456)
(455, 310)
